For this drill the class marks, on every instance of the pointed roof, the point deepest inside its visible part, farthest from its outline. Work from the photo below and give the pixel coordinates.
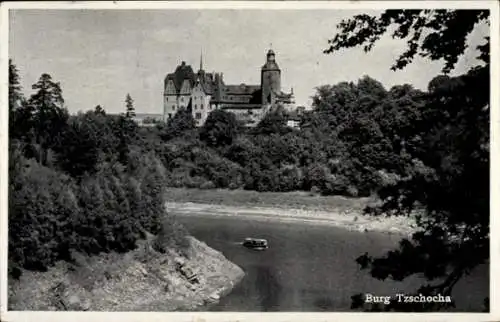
(182, 72)
(206, 82)
(270, 62)
(201, 60)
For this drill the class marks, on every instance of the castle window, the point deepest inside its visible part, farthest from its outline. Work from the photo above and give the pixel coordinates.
(169, 115)
(182, 99)
(173, 107)
(198, 116)
(201, 106)
(195, 106)
(167, 98)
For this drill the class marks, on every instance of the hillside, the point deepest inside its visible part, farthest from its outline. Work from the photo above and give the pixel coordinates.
(140, 280)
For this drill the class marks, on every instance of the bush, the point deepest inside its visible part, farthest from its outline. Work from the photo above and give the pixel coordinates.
(171, 235)
(233, 186)
(194, 182)
(42, 205)
(315, 191)
(290, 179)
(50, 214)
(207, 185)
(219, 129)
(315, 176)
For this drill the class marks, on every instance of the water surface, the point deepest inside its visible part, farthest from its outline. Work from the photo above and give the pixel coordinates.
(308, 267)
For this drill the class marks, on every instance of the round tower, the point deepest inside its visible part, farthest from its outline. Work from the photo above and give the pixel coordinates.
(270, 79)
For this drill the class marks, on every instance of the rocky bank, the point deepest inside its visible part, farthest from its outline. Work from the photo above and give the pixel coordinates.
(140, 280)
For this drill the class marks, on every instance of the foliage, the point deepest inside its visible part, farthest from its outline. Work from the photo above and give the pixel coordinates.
(178, 125)
(41, 202)
(129, 107)
(99, 110)
(18, 112)
(43, 117)
(443, 165)
(273, 122)
(436, 34)
(171, 234)
(15, 90)
(421, 152)
(219, 129)
(50, 214)
(88, 141)
(101, 193)
(126, 129)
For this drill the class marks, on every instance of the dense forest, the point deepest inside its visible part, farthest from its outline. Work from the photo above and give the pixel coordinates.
(94, 182)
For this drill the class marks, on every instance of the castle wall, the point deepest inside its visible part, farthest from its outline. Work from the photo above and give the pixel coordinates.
(172, 103)
(200, 105)
(169, 106)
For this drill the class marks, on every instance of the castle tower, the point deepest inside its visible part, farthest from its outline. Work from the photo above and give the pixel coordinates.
(270, 79)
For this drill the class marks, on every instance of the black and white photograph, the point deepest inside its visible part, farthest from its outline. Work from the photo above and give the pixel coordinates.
(248, 157)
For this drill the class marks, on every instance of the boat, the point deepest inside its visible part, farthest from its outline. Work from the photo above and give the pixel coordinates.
(256, 243)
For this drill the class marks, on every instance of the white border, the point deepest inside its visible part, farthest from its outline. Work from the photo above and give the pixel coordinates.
(494, 314)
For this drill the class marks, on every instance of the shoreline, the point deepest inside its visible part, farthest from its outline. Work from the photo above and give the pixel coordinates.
(140, 280)
(349, 220)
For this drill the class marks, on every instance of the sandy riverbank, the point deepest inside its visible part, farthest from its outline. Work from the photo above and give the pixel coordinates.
(347, 219)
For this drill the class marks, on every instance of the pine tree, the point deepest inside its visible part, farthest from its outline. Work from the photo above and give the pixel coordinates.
(130, 110)
(49, 114)
(20, 114)
(127, 129)
(15, 88)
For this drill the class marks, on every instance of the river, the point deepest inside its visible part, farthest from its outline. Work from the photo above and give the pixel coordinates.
(309, 267)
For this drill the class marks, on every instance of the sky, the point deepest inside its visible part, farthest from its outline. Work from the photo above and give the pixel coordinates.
(99, 56)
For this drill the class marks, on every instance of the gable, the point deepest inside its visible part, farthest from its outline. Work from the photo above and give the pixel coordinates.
(186, 87)
(170, 87)
(198, 89)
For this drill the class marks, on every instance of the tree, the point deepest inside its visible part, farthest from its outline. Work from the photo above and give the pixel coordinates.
(20, 115)
(361, 125)
(219, 129)
(273, 122)
(127, 129)
(15, 88)
(447, 172)
(82, 145)
(129, 105)
(182, 122)
(49, 115)
(41, 203)
(346, 101)
(99, 110)
(436, 34)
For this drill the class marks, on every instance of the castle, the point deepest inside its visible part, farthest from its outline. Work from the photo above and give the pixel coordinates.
(203, 92)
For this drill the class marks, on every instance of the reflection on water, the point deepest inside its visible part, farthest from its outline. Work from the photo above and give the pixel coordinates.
(309, 268)
(268, 288)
